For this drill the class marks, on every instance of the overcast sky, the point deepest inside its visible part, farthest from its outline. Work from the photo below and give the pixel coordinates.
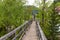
(32, 2)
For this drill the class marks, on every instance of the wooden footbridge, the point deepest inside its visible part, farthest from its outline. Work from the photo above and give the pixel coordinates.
(30, 30)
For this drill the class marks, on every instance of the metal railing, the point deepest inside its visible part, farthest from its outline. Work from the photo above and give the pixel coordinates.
(40, 32)
(17, 33)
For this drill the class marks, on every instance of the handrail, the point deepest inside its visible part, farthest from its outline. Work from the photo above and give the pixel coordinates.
(14, 31)
(41, 33)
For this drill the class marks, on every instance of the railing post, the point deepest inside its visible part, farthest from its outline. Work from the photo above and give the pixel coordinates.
(10, 34)
(41, 34)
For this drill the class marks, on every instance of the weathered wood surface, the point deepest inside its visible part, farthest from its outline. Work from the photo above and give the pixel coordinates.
(41, 33)
(14, 31)
(31, 34)
(34, 32)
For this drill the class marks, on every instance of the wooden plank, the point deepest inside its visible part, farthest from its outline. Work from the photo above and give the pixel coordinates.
(12, 32)
(42, 35)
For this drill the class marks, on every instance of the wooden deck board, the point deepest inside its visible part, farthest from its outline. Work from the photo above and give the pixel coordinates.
(31, 34)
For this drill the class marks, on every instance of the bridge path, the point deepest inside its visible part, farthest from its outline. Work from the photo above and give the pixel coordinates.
(31, 34)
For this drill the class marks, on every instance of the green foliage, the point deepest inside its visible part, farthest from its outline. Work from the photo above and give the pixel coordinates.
(51, 20)
(12, 15)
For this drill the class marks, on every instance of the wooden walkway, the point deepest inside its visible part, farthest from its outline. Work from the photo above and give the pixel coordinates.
(31, 34)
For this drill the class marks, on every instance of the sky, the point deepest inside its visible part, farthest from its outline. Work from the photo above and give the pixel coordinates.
(31, 2)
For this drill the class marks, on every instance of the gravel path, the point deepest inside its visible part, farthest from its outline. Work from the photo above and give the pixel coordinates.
(31, 34)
